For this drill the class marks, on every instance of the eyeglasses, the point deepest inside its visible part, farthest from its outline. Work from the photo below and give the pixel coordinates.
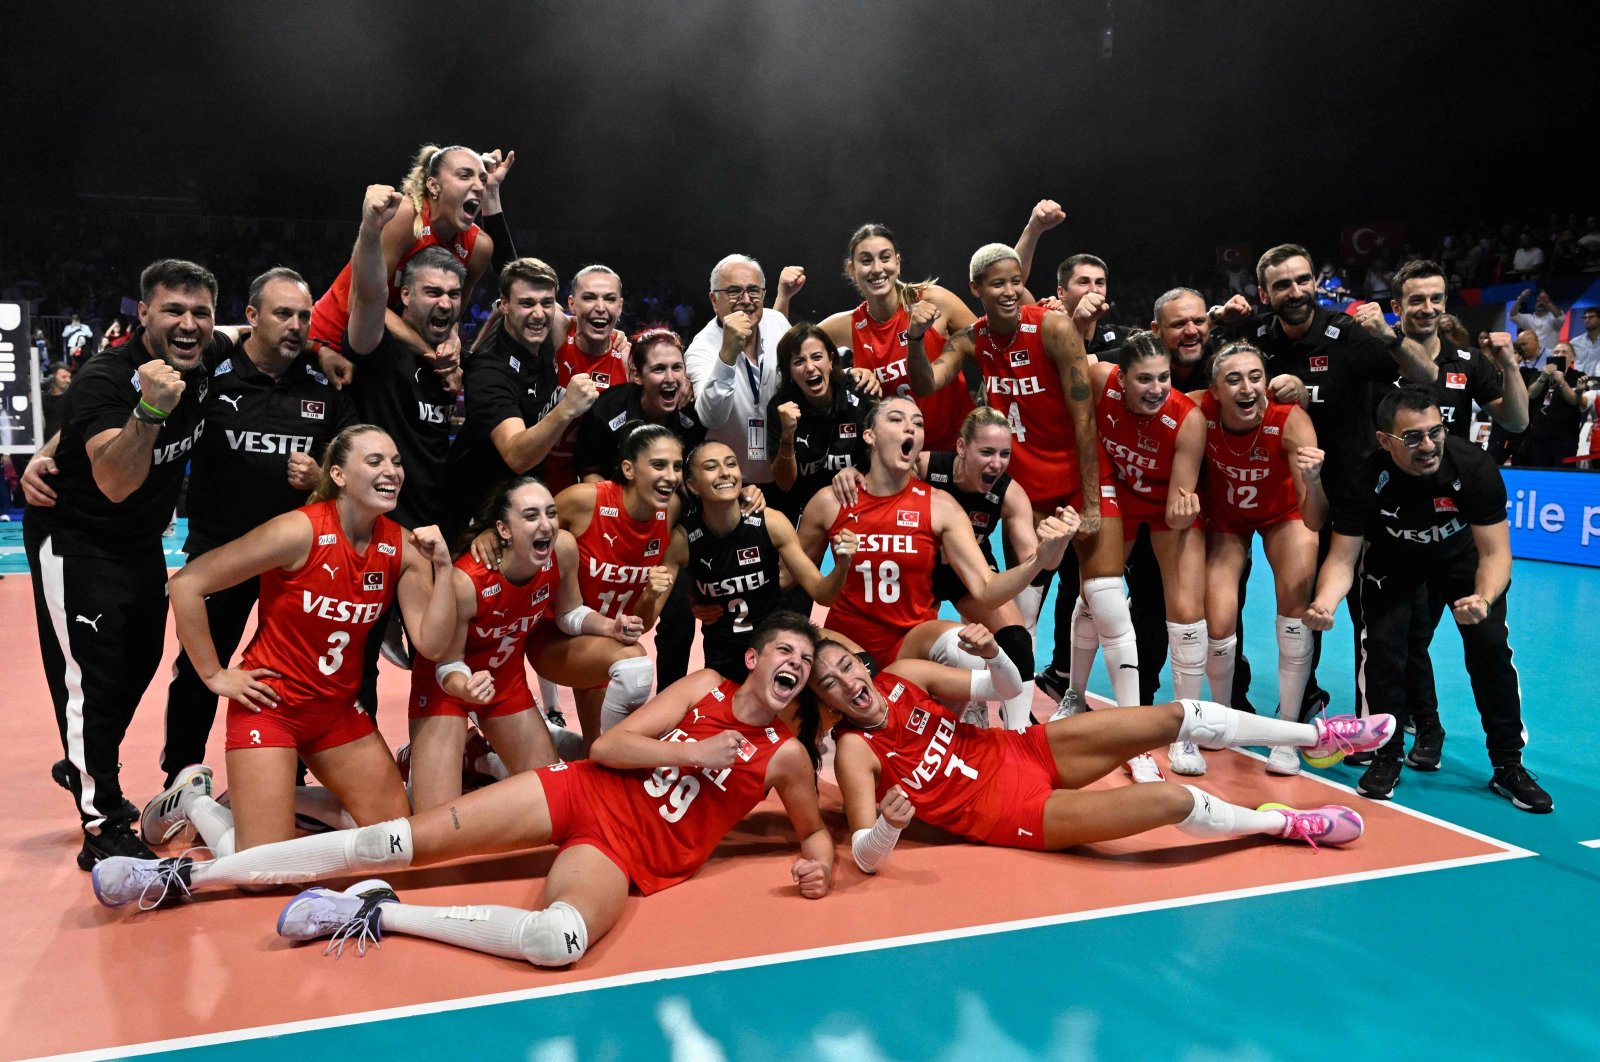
(1413, 438)
(731, 294)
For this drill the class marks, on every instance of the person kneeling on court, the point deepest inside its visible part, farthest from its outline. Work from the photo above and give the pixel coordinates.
(619, 818)
(901, 751)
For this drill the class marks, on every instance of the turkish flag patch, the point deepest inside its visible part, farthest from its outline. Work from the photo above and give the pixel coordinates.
(1444, 505)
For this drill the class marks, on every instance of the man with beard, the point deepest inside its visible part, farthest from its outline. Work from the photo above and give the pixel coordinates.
(269, 415)
(1328, 362)
(133, 414)
(516, 411)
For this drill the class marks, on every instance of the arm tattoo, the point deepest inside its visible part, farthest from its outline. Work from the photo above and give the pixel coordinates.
(1080, 385)
(456, 821)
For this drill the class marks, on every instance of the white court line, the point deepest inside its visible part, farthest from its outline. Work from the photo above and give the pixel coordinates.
(1590, 844)
(758, 961)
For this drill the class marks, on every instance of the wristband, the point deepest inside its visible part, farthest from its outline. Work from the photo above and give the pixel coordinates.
(871, 847)
(571, 623)
(149, 414)
(454, 667)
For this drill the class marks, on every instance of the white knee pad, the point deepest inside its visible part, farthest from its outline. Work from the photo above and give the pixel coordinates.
(1108, 603)
(630, 684)
(555, 936)
(381, 845)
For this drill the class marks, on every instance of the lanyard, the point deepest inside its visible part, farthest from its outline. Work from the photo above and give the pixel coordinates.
(753, 374)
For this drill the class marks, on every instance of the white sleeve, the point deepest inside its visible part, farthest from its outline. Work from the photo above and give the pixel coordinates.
(999, 682)
(713, 379)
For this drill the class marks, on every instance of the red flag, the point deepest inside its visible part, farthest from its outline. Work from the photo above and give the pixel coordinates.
(1367, 240)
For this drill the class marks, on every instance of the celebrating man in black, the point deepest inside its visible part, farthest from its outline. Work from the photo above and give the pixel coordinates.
(100, 579)
(1428, 509)
(269, 415)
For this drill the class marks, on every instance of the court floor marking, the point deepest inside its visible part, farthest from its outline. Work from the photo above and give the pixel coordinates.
(757, 961)
(1591, 844)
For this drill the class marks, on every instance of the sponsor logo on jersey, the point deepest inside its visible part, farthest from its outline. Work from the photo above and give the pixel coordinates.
(260, 442)
(1029, 328)
(386, 549)
(372, 580)
(224, 368)
(602, 380)
(1444, 505)
(542, 595)
(899, 688)
(331, 608)
(905, 518)
(1271, 429)
(608, 510)
(746, 749)
(918, 721)
(327, 540)
(1019, 358)
(1457, 380)
(1332, 332)
(1108, 490)
(1111, 337)
(490, 591)
(847, 431)
(1383, 479)
(618, 421)
(750, 555)
(718, 695)
(313, 409)
(515, 363)
(772, 736)
(1110, 393)
(1319, 363)
(694, 536)
(861, 324)
(652, 547)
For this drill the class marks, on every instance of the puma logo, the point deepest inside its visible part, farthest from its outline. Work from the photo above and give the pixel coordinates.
(332, 572)
(1376, 580)
(803, 440)
(231, 400)
(1393, 514)
(707, 562)
(696, 712)
(1111, 419)
(94, 624)
(611, 540)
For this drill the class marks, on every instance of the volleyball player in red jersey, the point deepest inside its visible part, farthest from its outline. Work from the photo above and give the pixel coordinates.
(887, 605)
(665, 786)
(500, 605)
(446, 191)
(328, 571)
(588, 347)
(901, 752)
(623, 531)
(894, 314)
(1263, 472)
(1155, 439)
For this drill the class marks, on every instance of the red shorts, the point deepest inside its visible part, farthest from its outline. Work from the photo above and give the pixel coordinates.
(881, 643)
(1137, 509)
(572, 811)
(1221, 524)
(428, 699)
(1010, 813)
(308, 729)
(1074, 497)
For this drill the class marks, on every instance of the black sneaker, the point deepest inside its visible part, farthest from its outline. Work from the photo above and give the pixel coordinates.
(555, 717)
(1427, 749)
(1314, 703)
(61, 773)
(1520, 786)
(1053, 683)
(1359, 759)
(1380, 779)
(116, 838)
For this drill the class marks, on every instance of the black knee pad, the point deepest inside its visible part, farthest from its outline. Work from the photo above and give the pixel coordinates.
(1015, 642)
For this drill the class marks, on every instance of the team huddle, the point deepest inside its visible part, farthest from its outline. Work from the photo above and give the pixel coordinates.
(604, 486)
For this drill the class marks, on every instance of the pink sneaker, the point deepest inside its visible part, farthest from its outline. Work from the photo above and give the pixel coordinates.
(1343, 734)
(1333, 824)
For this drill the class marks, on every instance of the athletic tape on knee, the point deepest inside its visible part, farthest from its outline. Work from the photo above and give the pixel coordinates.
(629, 687)
(555, 936)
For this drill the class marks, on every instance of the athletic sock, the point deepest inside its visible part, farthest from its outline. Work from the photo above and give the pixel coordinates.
(1294, 665)
(1085, 643)
(1219, 667)
(492, 765)
(1017, 644)
(1108, 602)
(383, 846)
(1214, 817)
(211, 820)
(1186, 647)
(320, 805)
(1216, 726)
(555, 936)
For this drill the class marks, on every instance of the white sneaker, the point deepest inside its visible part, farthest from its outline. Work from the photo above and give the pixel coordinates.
(353, 914)
(164, 817)
(1071, 704)
(977, 714)
(1283, 759)
(120, 880)
(1144, 768)
(1185, 758)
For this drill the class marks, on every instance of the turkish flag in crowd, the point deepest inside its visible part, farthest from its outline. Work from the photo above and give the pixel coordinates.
(1372, 238)
(1233, 256)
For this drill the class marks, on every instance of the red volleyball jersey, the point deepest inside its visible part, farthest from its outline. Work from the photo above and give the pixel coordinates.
(507, 614)
(881, 346)
(313, 622)
(1141, 447)
(616, 553)
(890, 586)
(608, 369)
(666, 822)
(943, 765)
(1248, 484)
(1022, 382)
(331, 313)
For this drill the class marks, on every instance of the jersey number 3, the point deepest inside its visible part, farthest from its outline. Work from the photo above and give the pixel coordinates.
(329, 662)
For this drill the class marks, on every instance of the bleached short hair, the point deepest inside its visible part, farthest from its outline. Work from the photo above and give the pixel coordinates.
(988, 255)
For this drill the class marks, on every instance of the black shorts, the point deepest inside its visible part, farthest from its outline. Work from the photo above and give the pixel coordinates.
(947, 585)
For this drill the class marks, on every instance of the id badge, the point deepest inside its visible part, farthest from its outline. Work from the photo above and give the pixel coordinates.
(756, 439)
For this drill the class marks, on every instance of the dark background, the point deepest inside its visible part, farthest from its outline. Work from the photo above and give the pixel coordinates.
(661, 136)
